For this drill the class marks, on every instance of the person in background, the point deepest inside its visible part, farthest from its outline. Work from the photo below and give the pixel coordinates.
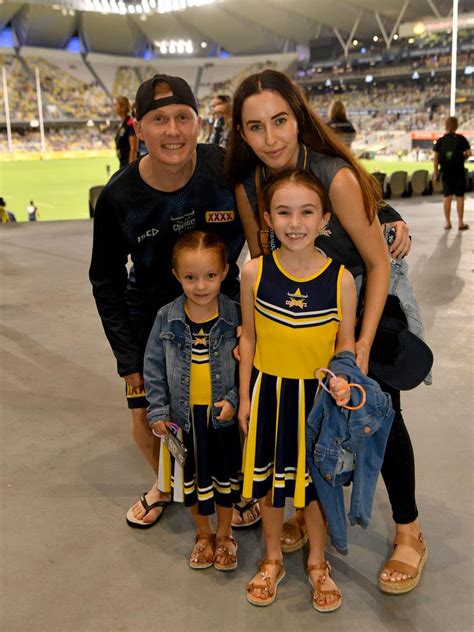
(340, 124)
(450, 152)
(5, 215)
(222, 114)
(125, 139)
(32, 211)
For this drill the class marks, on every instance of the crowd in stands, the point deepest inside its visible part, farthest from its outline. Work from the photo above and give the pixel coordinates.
(73, 98)
(382, 105)
(59, 139)
(398, 106)
(21, 94)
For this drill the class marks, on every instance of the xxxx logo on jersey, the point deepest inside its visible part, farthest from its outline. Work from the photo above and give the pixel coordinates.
(297, 299)
(219, 217)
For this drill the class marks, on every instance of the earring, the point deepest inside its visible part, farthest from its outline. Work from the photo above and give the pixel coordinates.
(324, 231)
(271, 240)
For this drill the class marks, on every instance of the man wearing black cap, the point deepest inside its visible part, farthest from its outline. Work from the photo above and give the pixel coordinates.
(177, 187)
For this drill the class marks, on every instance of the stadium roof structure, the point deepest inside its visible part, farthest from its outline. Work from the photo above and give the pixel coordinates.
(236, 27)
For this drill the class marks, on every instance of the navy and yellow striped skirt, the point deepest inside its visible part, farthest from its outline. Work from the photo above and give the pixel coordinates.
(211, 473)
(275, 449)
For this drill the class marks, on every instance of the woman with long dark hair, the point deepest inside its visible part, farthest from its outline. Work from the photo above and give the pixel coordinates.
(275, 128)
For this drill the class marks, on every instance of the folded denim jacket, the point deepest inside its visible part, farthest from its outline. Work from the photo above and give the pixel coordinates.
(344, 446)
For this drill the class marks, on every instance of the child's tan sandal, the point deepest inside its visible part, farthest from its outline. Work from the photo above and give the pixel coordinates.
(269, 588)
(294, 534)
(228, 559)
(199, 557)
(414, 572)
(319, 595)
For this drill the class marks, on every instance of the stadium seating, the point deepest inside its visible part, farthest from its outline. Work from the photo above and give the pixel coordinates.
(94, 193)
(418, 182)
(396, 184)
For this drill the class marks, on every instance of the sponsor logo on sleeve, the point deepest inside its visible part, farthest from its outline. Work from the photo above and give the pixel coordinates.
(219, 217)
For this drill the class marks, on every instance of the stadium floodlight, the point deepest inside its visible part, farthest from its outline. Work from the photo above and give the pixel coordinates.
(146, 6)
(395, 37)
(131, 8)
(469, 70)
(34, 123)
(369, 78)
(203, 44)
(419, 28)
(411, 40)
(355, 42)
(415, 75)
(375, 38)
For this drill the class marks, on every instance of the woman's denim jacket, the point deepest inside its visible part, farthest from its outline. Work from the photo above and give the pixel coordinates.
(167, 368)
(344, 446)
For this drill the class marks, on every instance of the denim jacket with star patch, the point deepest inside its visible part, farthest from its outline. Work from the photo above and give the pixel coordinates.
(344, 446)
(167, 368)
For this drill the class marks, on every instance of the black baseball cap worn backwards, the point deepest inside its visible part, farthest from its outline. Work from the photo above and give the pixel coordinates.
(145, 100)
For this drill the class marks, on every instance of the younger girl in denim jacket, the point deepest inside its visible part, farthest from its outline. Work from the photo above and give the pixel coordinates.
(190, 380)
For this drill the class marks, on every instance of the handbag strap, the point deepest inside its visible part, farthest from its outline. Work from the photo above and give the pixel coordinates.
(264, 231)
(260, 198)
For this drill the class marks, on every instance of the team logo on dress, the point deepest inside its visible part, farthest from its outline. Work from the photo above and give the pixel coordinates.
(219, 217)
(297, 299)
(200, 338)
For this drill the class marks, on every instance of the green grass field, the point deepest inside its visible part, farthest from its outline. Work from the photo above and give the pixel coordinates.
(60, 188)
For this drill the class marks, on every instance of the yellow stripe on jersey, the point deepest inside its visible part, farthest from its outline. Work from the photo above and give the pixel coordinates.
(299, 498)
(278, 396)
(250, 442)
(299, 279)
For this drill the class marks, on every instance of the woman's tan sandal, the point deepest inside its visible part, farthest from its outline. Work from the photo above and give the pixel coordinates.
(294, 534)
(228, 560)
(414, 572)
(319, 595)
(268, 589)
(202, 555)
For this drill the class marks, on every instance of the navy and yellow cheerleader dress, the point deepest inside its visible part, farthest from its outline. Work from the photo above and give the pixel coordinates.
(211, 472)
(296, 323)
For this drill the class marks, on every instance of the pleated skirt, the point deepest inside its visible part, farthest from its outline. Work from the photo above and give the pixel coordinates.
(275, 449)
(212, 471)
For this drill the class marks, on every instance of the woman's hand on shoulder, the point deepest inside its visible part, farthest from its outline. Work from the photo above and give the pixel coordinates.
(402, 242)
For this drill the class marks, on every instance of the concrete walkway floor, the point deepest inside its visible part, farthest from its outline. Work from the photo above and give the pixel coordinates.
(70, 470)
